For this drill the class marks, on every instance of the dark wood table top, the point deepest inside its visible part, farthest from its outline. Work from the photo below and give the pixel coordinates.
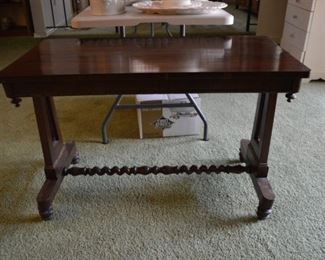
(142, 65)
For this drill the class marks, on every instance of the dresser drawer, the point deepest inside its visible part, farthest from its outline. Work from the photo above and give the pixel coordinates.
(305, 4)
(295, 36)
(299, 17)
(294, 51)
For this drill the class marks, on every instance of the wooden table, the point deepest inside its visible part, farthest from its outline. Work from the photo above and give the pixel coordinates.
(65, 67)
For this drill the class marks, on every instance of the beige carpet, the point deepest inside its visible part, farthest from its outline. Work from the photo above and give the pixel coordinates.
(164, 217)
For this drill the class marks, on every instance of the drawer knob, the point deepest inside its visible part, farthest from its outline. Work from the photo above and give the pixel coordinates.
(297, 1)
(295, 16)
(292, 35)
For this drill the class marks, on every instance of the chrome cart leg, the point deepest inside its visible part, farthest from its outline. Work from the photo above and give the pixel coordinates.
(122, 32)
(167, 30)
(249, 15)
(152, 30)
(198, 110)
(182, 30)
(108, 119)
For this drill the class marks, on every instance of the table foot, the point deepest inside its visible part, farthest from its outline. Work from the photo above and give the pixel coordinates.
(54, 177)
(46, 213)
(266, 196)
(261, 214)
(46, 197)
(258, 175)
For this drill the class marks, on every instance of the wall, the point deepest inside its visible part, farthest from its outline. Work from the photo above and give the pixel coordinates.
(271, 18)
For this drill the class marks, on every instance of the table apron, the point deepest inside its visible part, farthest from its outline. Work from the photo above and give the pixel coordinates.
(69, 86)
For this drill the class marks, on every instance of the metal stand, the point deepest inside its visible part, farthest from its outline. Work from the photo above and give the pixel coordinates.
(167, 30)
(166, 25)
(116, 105)
(152, 30)
(122, 31)
(249, 14)
(182, 30)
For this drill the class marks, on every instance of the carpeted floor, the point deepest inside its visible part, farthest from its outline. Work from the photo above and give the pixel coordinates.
(164, 217)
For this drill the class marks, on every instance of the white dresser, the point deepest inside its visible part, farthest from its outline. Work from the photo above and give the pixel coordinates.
(304, 34)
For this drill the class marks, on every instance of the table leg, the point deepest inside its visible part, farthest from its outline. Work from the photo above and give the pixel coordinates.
(255, 152)
(57, 155)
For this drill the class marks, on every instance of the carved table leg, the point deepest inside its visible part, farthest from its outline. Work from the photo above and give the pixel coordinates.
(57, 155)
(255, 152)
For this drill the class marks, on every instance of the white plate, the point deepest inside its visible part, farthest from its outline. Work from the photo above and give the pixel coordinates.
(197, 7)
